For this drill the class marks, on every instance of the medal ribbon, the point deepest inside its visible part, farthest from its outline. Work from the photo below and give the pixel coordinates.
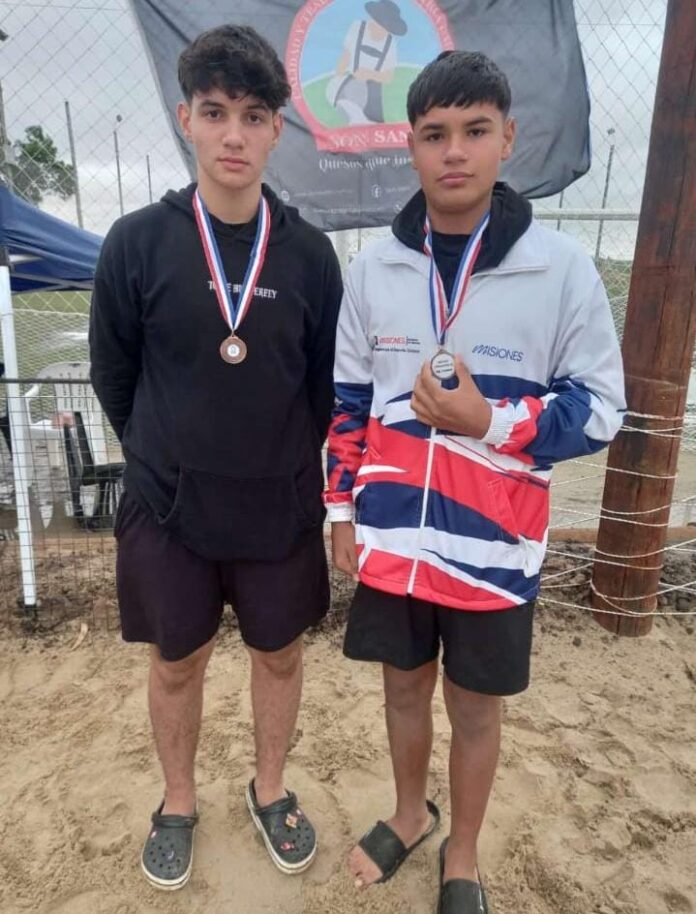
(233, 313)
(443, 312)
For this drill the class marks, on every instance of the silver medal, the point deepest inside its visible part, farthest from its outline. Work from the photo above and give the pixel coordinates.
(442, 365)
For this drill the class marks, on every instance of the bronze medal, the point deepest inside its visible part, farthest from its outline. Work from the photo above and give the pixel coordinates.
(233, 350)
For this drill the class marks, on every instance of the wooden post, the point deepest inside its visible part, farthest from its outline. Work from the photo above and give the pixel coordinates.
(658, 346)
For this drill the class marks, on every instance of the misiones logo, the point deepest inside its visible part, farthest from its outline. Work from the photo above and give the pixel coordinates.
(498, 352)
(397, 343)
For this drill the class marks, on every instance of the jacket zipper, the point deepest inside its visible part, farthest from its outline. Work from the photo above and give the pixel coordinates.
(426, 492)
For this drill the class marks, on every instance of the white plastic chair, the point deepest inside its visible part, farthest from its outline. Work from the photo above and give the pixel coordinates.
(68, 398)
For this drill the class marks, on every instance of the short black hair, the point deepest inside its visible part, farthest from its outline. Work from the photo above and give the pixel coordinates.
(237, 60)
(460, 78)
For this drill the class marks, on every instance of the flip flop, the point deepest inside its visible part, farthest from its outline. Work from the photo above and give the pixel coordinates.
(167, 857)
(460, 896)
(386, 849)
(288, 834)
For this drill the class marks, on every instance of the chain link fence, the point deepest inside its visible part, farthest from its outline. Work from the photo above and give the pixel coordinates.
(84, 136)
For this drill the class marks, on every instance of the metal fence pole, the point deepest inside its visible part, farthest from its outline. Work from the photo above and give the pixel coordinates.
(73, 159)
(149, 178)
(118, 163)
(605, 195)
(22, 463)
(6, 153)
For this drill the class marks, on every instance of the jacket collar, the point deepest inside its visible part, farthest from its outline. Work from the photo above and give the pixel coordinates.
(529, 253)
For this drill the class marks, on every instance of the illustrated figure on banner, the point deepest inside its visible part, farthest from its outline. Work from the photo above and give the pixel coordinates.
(368, 62)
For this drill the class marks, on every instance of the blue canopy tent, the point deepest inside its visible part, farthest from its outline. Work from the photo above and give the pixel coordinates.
(46, 253)
(37, 253)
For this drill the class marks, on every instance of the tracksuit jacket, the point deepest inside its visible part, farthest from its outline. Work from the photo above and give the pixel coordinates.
(441, 516)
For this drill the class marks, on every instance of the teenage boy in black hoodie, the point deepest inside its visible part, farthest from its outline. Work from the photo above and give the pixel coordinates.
(212, 338)
(475, 349)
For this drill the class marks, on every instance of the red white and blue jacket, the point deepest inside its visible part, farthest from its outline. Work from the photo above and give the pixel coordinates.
(441, 516)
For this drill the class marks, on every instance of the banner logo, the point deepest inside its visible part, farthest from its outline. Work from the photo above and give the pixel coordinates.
(350, 65)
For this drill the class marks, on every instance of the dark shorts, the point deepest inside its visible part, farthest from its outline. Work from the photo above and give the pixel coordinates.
(486, 652)
(171, 597)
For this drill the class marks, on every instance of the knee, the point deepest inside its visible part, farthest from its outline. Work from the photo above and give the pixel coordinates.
(174, 675)
(470, 713)
(282, 664)
(409, 690)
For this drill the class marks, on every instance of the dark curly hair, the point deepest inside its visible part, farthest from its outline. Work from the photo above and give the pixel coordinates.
(237, 60)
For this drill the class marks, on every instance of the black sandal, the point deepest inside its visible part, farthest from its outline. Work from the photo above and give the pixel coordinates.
(386, 849)
(459, 896)
(167, 857)
(288, 834)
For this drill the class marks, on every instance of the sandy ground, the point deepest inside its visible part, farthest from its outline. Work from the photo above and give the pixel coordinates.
(594, 806)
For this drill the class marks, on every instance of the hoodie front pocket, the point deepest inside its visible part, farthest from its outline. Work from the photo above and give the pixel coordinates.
(226, 518)
(501, 510)
(166, 520)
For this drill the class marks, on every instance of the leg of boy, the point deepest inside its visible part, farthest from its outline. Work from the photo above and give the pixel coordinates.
(276, 687)
(275, 604)
(176, 704)
(408, 710)
(475, 720)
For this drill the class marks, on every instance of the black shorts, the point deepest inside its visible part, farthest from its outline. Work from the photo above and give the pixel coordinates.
(483, 651)
(171, 597)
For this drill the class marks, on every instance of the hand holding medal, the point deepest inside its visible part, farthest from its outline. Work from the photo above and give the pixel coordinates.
(232, 349)
(464, 410)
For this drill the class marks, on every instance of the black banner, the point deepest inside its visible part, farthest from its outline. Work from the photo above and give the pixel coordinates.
(343, 158)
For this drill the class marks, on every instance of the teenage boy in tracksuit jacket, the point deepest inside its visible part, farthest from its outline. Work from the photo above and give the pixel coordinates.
(445, 432)
(222, 406)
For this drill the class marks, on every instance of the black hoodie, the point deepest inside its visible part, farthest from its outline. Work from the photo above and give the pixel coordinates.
(225, 457)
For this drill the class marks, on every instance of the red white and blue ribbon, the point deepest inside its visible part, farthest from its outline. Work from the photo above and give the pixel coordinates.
(444, 312)
(233, 312)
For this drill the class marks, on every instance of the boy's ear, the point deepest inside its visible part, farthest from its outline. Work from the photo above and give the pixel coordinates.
(278, 124)
(183, 113)
(509, 135)
(409, 139)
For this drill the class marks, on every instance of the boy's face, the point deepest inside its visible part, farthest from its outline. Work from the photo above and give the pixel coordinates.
(457, 153)
(232, 137)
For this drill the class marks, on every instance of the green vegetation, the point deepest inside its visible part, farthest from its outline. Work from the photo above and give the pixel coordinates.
(50, 327)
(616, 275)
(60, 302)
(37, 170)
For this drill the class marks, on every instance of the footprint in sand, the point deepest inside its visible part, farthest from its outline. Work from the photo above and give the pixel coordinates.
(677, 902)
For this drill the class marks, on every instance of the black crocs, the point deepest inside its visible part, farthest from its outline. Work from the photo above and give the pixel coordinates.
(386, 849)
(288, 834)
(459, 896)
(167, 857)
